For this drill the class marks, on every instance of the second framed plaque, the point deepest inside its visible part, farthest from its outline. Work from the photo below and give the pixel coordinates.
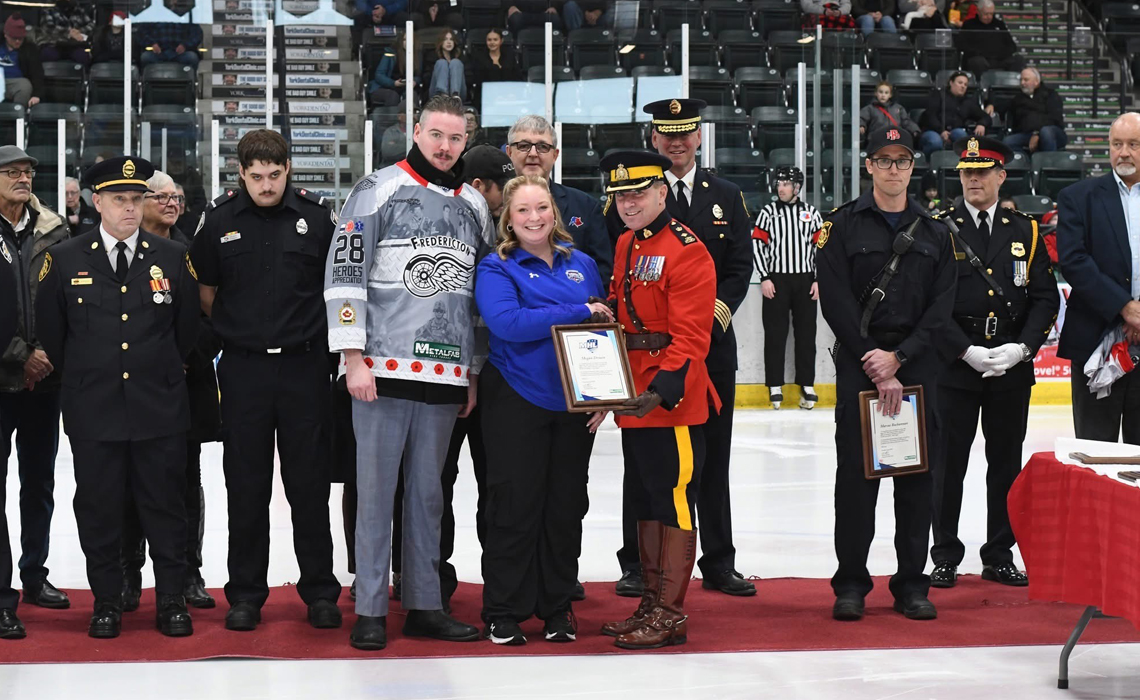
(594, 365)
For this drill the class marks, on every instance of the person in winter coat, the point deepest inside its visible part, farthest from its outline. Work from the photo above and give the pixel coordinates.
(1036, 121)
(884, 113)
(950, 115)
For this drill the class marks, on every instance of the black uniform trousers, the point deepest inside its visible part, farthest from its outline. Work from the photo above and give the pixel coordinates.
(1005, 415)
(537, 471)
(134, 544)
(34, 418)
(1105, 419)
(663, 473)
(793, 296)
(856, 496)
(287, 395)
(155, 472)
(469, 429)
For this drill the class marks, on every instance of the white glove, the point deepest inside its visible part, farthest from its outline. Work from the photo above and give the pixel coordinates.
(976, 356)
(1003, 357)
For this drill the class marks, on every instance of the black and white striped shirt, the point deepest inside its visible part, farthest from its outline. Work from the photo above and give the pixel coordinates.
(784, 238)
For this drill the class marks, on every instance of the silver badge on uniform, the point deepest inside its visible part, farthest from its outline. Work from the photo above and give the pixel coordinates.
(302, 226)
(1020, 272)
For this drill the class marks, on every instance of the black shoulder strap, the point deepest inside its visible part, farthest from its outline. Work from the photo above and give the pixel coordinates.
(974, 260)
(871, 298)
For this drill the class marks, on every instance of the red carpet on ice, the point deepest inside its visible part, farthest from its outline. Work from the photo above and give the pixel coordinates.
(786, 615)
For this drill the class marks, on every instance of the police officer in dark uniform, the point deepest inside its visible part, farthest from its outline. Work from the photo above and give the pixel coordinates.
(713, 209)
(260, 252)
(1005, 305)
(888, 322)
(120, 307)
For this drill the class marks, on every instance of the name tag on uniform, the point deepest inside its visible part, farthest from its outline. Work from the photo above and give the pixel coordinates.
(81, 281)
(231, 236)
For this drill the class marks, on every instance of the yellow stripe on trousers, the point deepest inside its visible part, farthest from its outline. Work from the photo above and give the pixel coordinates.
(684, 476)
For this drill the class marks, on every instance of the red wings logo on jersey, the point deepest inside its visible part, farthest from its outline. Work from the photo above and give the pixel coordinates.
(427, 275)
(893, 135)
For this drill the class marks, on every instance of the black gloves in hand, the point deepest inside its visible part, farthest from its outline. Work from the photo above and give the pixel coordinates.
(639, 406)
(597, 317)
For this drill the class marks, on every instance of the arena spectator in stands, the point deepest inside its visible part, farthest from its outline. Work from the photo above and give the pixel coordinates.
(476, 136)
(169, 42)
(986, 43)
(930, 198)
(394, 141)
(950, 115)
(64, 32)
(1008, 203)
(869, 14)
(533, 13)
(827, 14)
(20, 59)
(883, 113)
(922, 15)
(588, 13)
(377, 12)
(81, 216)
(387, 85)
(497, 63)
(1036, 122)
(447, 76)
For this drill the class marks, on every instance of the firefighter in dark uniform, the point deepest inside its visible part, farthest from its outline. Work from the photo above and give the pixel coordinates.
(120, 307)
(260, 253)
(663, 294)
(1005, 306)
(886, 286)
(713, 209)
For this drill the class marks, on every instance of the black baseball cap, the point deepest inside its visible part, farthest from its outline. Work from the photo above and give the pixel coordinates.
(891, 136)
(488, 163)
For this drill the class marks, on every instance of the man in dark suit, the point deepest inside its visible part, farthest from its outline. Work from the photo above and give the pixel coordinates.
(119, 307)
(1005, 305)
(1097, 249)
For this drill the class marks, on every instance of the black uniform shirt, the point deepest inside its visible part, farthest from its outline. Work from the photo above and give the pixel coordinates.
(268, 265)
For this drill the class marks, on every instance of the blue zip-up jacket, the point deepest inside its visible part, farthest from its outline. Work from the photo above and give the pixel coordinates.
(520, 298)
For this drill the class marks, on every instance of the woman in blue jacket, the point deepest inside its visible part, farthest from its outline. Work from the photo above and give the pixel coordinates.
(538, 453)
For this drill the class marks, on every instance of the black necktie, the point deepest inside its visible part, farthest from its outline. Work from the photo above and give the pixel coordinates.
(121, 263)
(682, 200)
(984, 226)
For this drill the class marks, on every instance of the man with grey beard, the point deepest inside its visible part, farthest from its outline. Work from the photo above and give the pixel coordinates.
(1098, 243)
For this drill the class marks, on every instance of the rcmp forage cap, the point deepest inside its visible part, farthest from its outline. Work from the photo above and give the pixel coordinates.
(983, 152)
(627, 171)
(679, 116)
(891, 136)
(120, 174)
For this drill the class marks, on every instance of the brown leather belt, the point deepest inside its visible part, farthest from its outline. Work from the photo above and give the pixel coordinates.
(647, 341)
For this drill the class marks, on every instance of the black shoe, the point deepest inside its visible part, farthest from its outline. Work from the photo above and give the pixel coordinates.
(369, 633)
(848, 607)
(46, 595)
(352, 591)
(197, 596)
(945, 575)
(243, 616)
(505, 632)
(808, 399)
(437, 624)
(561, 628)
(630, 584)
(10, 625)
(579, 592)
(132, 591)
(106, 622)
(731, 582)
(777, 399)
(1005, 574)
(324, 615)
(916, 607)
(397, 588)
(172, 619)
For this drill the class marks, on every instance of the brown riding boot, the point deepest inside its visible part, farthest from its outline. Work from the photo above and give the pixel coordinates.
(649, 545)
(665, 625)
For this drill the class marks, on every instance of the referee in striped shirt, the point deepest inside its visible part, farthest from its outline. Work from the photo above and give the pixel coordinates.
(785, 260)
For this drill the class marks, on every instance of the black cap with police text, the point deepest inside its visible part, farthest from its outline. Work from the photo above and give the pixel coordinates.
(488, 163)
(984, 152)
(627, 171)
(119, 174)
(679, 116)
(891, 136)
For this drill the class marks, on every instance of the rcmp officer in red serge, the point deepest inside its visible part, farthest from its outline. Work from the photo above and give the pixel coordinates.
(120, 307)
(664, 294)
(1005, 305)
(886, 287)
(713, 209)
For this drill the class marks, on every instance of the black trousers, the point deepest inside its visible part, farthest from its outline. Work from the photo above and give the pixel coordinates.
(155, 472)
(34, 418)
(663, 469)
(287, 397)
(133, 553)
(1005, 416)
(856, 496)
(468, 429)
(538, 466)
(1105, 419)
(793, 296)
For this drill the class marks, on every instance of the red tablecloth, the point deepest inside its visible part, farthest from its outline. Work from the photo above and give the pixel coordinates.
(1079, 533)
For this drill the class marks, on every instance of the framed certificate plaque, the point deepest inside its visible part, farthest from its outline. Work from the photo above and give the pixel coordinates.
(594, 365)
(894, 445)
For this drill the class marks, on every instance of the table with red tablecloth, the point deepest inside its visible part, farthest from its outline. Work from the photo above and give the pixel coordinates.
(1079, 534)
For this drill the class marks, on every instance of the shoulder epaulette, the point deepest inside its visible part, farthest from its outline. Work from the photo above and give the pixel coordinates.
(686, 237)
(842, 206)
(225, 197)
(1022, 214)
(609, 203)
(311, 196)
